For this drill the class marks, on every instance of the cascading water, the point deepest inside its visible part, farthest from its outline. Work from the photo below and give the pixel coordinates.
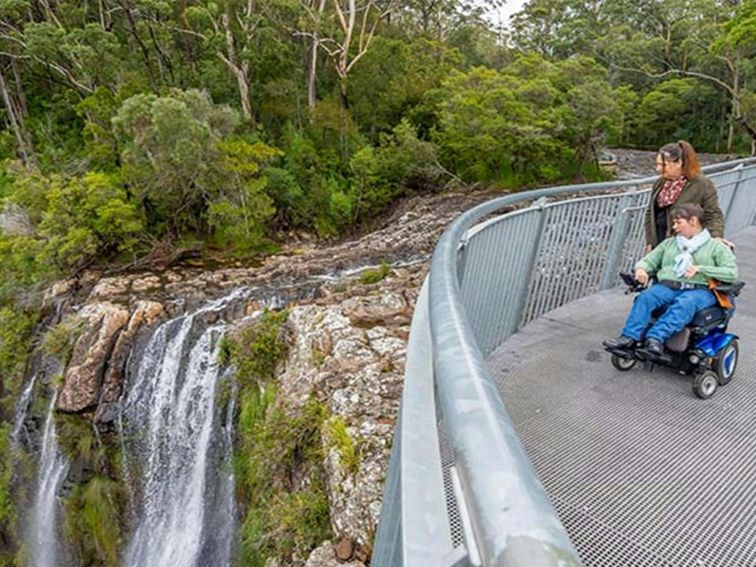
(43, 540)
(21, 409)
(176, 438)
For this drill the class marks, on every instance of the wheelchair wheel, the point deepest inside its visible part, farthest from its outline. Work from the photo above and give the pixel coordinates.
(622, 363)
(705, 384)
(726, 362)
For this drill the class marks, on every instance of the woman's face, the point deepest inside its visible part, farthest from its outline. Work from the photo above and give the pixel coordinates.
(668, 168)
(686, 227)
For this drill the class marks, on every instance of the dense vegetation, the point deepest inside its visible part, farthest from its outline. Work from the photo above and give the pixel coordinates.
(278, 467)
(138, 126)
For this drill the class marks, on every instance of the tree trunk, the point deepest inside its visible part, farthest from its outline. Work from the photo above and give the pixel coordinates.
(343, 94)
(240, 71)
(312, 73)
(242, 79)
(17, 124)
(735, 117)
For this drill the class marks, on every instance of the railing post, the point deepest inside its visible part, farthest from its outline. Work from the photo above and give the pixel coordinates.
(619, 235)
(734, 194)
(523, 286)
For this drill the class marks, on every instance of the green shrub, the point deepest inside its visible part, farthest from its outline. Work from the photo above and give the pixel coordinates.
(60, 341)
(258, 349)
(278, 458)
(92, 524)
(280, 478)
(16, 328)
(374, 275)
(347, 448)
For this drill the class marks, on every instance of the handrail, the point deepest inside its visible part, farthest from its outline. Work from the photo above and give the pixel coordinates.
(508, 514)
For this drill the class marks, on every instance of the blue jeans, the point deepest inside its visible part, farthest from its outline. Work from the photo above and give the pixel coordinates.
(682, 307)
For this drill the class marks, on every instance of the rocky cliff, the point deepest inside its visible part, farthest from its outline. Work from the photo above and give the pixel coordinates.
(348, 312)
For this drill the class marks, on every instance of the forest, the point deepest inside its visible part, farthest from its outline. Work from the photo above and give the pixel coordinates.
(139, 127)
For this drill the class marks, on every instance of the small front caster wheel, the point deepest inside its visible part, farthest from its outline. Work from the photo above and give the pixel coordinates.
(622, 363)
(705, 384)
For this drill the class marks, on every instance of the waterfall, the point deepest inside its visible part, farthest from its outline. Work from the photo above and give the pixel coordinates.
(178, 447)
(43, 532)
(22, 407)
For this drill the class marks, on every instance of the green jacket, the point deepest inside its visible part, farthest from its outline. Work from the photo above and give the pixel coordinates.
(699, 190)
(714, 259)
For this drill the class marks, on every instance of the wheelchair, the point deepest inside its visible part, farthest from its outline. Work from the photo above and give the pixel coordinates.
(703, 350)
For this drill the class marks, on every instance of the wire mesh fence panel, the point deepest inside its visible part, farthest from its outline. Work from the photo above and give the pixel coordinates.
(496, 256)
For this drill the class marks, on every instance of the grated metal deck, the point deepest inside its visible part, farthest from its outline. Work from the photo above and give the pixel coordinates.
(641, 471)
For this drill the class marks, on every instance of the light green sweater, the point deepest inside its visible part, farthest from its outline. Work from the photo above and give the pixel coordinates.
(714, 259)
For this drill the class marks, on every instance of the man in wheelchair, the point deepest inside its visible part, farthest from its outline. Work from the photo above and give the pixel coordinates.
(684, 265)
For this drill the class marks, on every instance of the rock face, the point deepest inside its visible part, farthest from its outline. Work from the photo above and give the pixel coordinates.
(85, 371)
(351, 353)
(348, 343)
(145, 313)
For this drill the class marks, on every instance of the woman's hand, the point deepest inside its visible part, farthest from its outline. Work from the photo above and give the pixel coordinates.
(726, 242)
(642, 276)
(691, 271)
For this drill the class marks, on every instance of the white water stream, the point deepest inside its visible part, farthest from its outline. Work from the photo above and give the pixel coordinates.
(43, 537)
(178, 450)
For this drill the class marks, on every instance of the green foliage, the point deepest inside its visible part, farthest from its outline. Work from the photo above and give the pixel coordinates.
(281, 479)
(657, 118)
(278, 461)
(348, 449)
(374, 275)
(401, 163)
(55, 223)
(7, 505)
(242, 209)
(60, 340)
(93, 521)
(16, 327)
(528, 123)
(258, 348)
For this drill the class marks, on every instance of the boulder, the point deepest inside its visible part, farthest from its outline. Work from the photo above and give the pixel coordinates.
(327, 556)
(145, 314)
(84, 373)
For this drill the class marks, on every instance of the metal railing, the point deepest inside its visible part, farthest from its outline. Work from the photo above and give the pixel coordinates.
(460, 489)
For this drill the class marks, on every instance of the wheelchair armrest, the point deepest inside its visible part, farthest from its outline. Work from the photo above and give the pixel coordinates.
(732, 289)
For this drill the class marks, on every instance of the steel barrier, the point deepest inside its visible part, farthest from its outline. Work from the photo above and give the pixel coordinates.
(460, 489)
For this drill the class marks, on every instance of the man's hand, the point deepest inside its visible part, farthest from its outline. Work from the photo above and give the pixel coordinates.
(642, 276)
(691, 271)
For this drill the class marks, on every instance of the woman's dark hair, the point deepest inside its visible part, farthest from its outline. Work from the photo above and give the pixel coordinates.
(688, 211)
(682, 150)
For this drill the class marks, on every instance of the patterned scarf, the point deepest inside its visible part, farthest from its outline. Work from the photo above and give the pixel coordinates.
(670, 191)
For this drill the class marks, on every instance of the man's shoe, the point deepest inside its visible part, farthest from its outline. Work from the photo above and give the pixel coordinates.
(654, 346)
(619, 342)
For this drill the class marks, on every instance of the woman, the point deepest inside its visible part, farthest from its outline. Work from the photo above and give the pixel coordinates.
(680, 181)
(684, 265)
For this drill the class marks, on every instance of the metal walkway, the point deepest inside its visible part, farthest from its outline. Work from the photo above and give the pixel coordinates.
(640, 471)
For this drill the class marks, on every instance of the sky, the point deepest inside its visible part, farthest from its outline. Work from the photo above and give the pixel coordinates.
(503, 13)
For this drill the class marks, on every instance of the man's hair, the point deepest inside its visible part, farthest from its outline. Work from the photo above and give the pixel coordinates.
(682, 151)
(688, 211)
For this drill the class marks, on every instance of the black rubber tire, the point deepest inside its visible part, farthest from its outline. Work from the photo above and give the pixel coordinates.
(725, 375)
(623, 364)
(705, 384)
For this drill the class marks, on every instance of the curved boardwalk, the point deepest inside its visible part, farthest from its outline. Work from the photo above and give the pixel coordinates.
(641, 471)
